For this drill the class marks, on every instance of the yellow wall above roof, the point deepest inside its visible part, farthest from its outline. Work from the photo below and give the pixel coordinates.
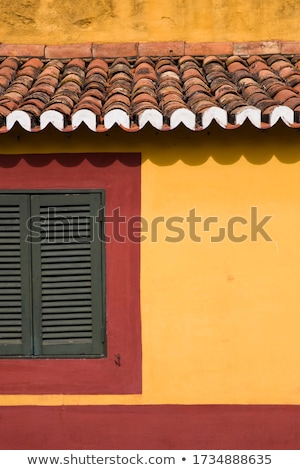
(52, 22)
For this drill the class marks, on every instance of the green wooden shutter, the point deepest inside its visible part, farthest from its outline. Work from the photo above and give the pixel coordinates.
(15, 299)
(67, 266)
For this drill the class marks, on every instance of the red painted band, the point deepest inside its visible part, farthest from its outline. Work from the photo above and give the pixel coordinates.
(151, 427)
(120, 176)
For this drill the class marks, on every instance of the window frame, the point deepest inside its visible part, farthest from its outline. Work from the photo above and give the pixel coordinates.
(119, 174)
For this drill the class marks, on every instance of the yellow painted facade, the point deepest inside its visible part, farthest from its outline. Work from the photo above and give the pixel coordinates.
(220, 321)
(52, 22)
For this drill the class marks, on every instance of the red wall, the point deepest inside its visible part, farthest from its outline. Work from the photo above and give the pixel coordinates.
(150, 427)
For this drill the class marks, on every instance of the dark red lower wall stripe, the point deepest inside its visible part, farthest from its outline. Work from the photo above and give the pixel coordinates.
(150, 427)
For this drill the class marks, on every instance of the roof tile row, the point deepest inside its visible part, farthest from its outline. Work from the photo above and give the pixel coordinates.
(164, 91)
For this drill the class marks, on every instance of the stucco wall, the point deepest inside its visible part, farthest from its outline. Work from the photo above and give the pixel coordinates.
(219, 320)
(47, 21)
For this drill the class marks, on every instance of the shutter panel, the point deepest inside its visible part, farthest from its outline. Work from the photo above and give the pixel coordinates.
(15, 300)
(68, 297)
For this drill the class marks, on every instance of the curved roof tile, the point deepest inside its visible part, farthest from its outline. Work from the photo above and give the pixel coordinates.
(163, 91)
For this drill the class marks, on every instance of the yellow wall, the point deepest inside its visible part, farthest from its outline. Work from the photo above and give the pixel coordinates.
(220, 321)
(52, 22)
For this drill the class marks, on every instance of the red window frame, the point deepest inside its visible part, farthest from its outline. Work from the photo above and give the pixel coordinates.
(121, 371)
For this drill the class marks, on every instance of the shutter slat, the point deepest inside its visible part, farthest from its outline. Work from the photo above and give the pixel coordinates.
(12, 303)
(79, 252)
(71, 335)
(9, 250)
(9, 278)
(4, 297)
(7, 336)
(57, 272)
(67, 329)
(16, 309)
(11, 209)
(65, 208)
(66, 221)
(63, 265)
(9, 285)
(66, 309)
(65, 279)
(75, 301)
(10, 259)
(9, 321)
(5, 270)
(84, 281)
(10, 228)
(59, 230)
(4, 234)
(63, 246)
(17, 328)
(54, 212)
(65, 321)
(70, 260)
(65, 297)
(8, 316)
(64, 317)
(7, 221)
(61, 291)
(65, 238)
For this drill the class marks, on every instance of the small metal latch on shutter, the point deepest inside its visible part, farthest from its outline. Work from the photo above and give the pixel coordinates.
(103, 334)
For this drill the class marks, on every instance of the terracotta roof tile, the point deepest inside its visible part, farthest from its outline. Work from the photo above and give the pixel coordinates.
(4, 111)
(99, 63)
(93, 92)
(293, 79)
(293, 102)
(133, 91)
(36, 100)
(63, 108)
(89, 105)
(284, 94)
(4, 82)
(97, 80)
(33, 107)
(11, 62)
(96, 71)
(42, 88)
(9, 104)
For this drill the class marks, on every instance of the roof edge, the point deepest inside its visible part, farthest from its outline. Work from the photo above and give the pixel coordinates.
(90, 50)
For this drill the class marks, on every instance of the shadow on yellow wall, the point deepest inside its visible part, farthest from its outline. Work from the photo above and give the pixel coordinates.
(226, 147)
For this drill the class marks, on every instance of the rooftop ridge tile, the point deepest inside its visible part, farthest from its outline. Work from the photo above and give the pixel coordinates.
(107, 50)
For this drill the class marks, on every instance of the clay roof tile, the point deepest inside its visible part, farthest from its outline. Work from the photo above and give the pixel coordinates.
(34, 62)
(32, 108)
(144, 60)
(165, 84)
(98, 63)
(79, 63)
(11, 62)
